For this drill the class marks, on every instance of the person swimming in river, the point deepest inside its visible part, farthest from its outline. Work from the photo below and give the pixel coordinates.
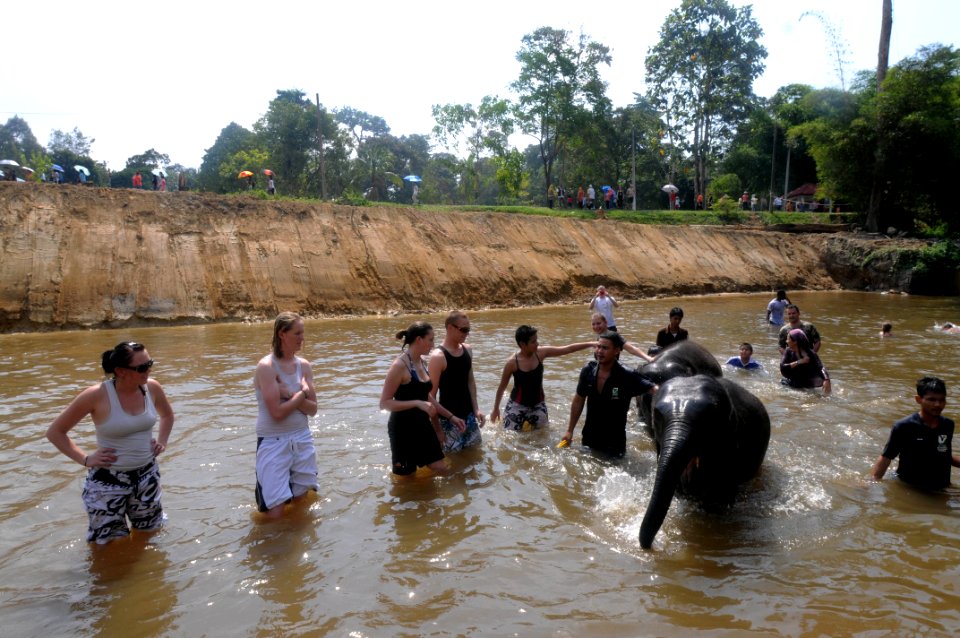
(949, 328)
(527, 408)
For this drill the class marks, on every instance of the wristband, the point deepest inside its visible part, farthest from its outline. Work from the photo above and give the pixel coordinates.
(85, 460)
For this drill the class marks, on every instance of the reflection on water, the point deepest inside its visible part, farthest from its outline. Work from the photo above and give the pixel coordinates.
(524, 538)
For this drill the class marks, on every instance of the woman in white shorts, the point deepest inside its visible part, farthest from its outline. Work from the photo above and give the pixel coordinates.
(286, 457)
(123, 479)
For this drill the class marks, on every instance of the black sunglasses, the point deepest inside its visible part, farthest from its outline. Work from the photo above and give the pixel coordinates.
(465, 330)
(143, 367)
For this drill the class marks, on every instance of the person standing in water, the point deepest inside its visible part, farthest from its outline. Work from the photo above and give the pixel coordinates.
(454, 388)
(527, 404)
(604, 303)
(286, 457)
(414, 440)
(923, 441)
(123, 478)
(605, 388)
(776, 307)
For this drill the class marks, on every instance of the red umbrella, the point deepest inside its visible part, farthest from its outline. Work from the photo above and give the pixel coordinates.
(245, 174)
(267, 171)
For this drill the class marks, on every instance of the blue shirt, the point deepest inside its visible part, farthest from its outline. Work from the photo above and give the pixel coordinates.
(737, 363)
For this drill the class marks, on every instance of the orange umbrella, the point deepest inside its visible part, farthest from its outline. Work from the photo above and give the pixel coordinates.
(245, 174)
(267, 171)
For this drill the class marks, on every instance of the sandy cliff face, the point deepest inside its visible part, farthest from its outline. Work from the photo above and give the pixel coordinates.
(73, 257)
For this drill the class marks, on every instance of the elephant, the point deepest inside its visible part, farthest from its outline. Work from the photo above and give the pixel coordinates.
(711, 435)
(681, 359)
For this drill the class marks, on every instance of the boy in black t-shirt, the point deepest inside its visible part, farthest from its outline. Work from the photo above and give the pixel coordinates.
(923, 441)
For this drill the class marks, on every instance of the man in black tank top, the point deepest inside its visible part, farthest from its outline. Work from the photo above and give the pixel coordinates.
(451, 369)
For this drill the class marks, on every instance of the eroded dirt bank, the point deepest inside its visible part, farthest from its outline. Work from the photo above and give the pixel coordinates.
(84, 257)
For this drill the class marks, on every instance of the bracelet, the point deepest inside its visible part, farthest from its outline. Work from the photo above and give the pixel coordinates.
(85, 460)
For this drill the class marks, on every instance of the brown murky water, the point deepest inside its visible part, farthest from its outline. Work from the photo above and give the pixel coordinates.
(525, 539)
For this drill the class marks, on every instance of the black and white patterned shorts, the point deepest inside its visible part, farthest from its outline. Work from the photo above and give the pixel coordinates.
(112, 496)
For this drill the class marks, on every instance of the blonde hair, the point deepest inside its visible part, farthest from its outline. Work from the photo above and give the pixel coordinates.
(283, 323)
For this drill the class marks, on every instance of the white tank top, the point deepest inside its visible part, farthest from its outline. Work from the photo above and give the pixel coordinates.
(128, 434)
(296, 420)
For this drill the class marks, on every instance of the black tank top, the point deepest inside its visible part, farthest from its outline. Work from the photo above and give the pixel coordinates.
(454, 391)
(527, 385)
(413, 390)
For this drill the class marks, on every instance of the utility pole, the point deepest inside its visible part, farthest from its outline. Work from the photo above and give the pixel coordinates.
(773, 167)
(323, 172)
(633, 167)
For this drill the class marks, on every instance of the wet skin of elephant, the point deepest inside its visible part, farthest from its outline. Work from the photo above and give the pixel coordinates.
(680, 359)
(711, 435)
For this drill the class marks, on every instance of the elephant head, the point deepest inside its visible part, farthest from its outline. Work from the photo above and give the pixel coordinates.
(681, 359)
(711, 435)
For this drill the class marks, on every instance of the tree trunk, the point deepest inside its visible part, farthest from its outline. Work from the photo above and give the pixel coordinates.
(883, 60)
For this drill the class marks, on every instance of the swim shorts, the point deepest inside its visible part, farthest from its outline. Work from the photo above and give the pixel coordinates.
(454, 440)
(286, 467)
(112, 496)
(523, 418)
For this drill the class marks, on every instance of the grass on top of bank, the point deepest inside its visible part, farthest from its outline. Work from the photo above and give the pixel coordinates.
(714, 217)
(667, 217)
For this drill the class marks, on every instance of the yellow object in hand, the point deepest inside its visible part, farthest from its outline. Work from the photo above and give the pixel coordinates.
(563, 443)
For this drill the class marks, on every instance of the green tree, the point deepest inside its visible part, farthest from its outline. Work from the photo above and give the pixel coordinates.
(701, 75)
(288, 133)
(74, 142)
(232, 139)
(559, 78)
(18, 142)
(483, 130)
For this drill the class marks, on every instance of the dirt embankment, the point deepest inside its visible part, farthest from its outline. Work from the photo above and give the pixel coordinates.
(75, 257)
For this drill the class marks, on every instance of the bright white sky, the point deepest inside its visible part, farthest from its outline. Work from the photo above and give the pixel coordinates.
(171, 75)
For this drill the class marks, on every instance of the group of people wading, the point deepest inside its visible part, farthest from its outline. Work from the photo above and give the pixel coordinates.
(431, 395)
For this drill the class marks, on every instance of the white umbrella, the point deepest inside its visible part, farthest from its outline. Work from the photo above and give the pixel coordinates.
(9, 163)
(669, 188)
(158, 172)
(27, 170)
(82, 169)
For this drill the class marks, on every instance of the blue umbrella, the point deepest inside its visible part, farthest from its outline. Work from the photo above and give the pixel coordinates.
(604, 188)
(57, 168)
(412, 178)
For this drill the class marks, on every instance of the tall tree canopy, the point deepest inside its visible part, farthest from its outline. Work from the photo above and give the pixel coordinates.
(701, 75)
(559, 79)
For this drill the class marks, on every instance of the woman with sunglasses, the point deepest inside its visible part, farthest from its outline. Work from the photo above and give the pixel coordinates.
(286, 457)
(123, 478)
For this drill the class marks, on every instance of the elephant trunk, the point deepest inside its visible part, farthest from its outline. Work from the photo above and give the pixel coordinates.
(677, 449)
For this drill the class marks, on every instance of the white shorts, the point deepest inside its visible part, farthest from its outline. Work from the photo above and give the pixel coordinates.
(286, 467)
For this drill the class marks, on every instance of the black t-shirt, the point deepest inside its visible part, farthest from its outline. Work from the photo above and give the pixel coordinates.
(665, 337)
(606, 425)
(925, 452)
